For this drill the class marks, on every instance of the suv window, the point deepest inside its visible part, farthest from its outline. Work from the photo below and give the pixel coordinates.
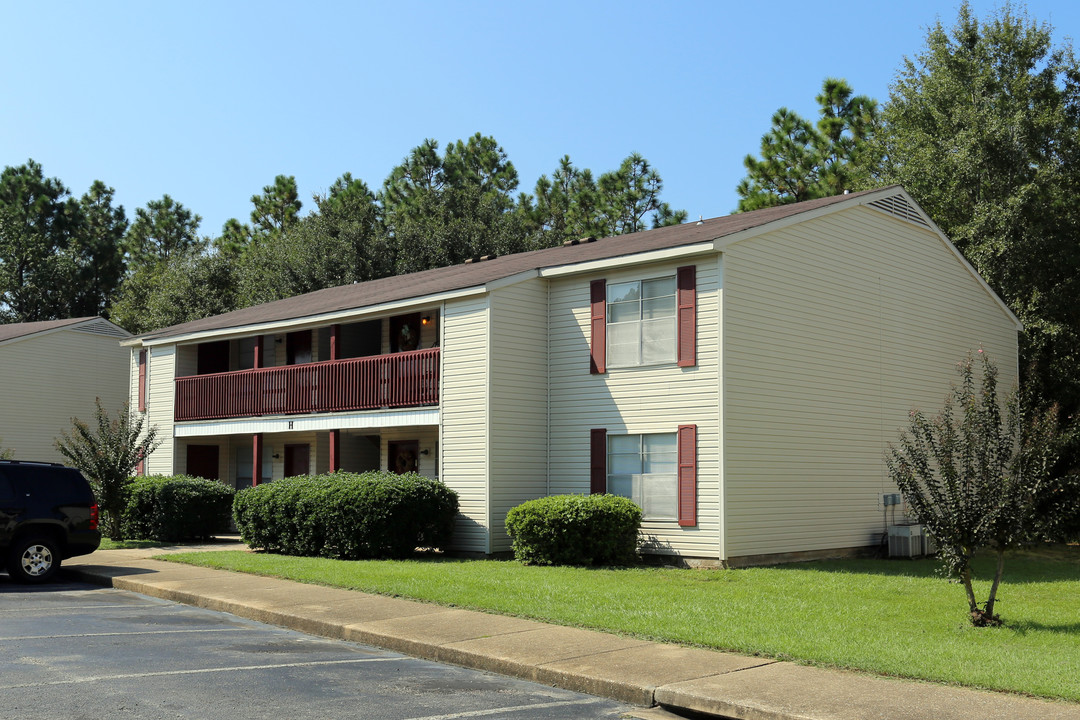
(61, 481)
(7, 495)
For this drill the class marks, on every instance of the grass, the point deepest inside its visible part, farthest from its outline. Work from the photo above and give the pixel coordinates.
(107, 544)
(893, 617)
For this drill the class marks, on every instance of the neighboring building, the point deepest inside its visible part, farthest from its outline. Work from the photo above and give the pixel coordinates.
(52, 371)
(738, 377)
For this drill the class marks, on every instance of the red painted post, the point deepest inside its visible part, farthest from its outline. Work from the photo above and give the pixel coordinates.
(256, 458)
(335, 448)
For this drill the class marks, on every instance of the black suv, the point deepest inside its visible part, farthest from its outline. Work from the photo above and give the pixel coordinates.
(47, 514)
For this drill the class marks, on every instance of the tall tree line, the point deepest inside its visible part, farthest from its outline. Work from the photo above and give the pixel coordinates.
(66, 257)
(982, 127)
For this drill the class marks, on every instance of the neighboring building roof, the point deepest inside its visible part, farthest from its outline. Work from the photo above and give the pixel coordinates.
(18, 330)
(458, 277)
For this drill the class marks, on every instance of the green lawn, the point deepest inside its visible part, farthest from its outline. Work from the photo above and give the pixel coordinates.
(895, 617)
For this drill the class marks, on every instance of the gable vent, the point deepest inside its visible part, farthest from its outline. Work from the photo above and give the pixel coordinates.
(898, 206)
(102, 327)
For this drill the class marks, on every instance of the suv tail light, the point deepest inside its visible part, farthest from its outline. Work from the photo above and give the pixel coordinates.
(93, 517)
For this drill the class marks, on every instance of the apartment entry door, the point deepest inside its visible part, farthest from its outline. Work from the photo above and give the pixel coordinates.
(402, 456)
(202, 461)
(297, 460)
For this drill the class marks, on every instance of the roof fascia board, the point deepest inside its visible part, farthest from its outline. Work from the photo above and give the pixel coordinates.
(50, 331)
(309, 320)
(638, 258)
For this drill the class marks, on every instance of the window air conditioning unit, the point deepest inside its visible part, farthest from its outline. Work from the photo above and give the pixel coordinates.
(906, 541)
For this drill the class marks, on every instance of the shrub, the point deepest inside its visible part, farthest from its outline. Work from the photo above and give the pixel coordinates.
(347, 515)
(176, 507)
(575, 530)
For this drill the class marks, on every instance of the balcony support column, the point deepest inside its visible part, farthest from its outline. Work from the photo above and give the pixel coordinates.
(335, 339)
(257, 455)
(335, 449)
(258, 351)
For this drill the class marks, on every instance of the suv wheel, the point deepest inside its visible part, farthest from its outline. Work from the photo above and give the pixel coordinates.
(33, 560)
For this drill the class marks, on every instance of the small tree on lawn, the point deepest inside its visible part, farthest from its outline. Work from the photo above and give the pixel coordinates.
(980, 474)
(108, 454)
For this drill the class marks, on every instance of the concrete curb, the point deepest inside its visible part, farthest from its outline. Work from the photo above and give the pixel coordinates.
(624, 669)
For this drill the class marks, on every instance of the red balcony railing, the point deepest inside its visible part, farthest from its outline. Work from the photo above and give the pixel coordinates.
(405, 379)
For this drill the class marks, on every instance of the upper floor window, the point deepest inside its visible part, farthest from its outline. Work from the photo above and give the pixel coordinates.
(641, 325)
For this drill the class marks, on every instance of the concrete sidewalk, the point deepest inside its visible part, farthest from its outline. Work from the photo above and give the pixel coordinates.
(626, 669)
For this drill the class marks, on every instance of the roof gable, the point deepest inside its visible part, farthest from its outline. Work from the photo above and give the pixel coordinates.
(21, 330)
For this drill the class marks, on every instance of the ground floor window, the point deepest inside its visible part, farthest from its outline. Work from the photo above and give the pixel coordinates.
(645, 468)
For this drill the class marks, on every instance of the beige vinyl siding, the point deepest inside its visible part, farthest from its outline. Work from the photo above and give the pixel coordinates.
(518, 412)
(833, 330)
(160, 392)
(464, 418)
(52, 377)
(637, 400)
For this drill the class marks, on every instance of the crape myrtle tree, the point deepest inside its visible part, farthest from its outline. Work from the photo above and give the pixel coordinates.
(980, 474)
(107, 453)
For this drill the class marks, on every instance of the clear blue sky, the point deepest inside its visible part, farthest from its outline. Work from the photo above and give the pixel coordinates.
(208, 101)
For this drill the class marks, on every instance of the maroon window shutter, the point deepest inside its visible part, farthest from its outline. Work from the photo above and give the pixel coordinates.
(686, 280)
(688, 475)
(142, 381)
(598, 461)
(598, 334)
(140, 467)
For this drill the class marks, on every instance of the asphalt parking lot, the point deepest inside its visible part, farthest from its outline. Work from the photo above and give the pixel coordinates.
(71, 650)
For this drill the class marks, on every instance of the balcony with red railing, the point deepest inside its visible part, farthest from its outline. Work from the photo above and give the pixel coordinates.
(404, 379)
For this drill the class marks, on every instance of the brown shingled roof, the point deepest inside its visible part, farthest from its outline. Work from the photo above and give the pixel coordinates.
(17, 330)
(457, 277)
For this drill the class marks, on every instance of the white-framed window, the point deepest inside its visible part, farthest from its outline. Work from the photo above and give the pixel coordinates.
(645, 469)
(641, 322)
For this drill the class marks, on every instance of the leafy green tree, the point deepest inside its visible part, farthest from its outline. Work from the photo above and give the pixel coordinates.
(37, 219)
(6, 453)
(187, 286)
(983, 128)
(450, 227)
(976, 477)
(163, 229)
(277, 208)
(800, 161)
(234, 239)
(340, 244)
(107, 454)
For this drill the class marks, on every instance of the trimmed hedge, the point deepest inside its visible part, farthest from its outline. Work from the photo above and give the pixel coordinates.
(176, 507)
(347, 515)
(575, 530)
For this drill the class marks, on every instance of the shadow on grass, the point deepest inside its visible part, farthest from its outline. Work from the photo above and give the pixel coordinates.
(1034, 564)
